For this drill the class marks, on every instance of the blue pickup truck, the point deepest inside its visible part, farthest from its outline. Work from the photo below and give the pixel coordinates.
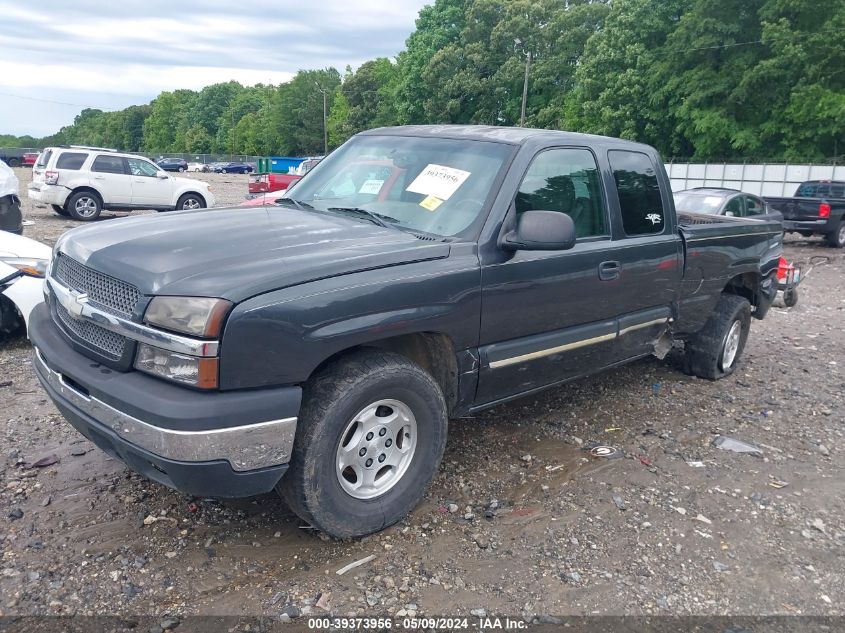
(319, 346)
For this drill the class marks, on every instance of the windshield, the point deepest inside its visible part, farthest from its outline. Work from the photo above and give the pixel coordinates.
(698, 203)
(432, 185)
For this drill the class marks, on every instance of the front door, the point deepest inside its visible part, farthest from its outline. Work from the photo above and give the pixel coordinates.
(147, 187)
(549, 315)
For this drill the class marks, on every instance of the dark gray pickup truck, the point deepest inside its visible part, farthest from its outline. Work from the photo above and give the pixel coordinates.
(417, 274)
(818, 208)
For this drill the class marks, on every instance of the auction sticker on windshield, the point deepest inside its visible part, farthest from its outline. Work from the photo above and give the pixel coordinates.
(371, 187)
(438, 181)
(431, 203)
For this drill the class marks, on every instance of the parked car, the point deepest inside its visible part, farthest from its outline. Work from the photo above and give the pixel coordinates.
(320, 350)
(201, 167)
(173, 164)
(23, 264)
(80, 182)
(265, 183)
(11, 218)
(234, 168)
(12, 157)
(729, 202)
(818, 208)
(29, 158)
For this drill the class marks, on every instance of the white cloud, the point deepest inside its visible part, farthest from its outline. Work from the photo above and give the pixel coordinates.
(116, 53)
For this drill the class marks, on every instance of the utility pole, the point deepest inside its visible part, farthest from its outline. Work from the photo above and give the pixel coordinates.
(325, 124)
(233, 133)
(525, 89)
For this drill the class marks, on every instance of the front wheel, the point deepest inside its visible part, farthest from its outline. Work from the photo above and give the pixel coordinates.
(370, 439)
(181, 169)
(189, 202)
(714, 351)
(837, 238)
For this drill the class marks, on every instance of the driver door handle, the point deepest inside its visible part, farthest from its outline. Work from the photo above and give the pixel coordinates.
(608, 271)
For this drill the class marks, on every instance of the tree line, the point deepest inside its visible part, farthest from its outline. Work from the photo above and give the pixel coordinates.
(700, 79)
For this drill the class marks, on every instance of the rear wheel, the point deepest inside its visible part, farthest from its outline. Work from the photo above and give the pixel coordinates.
(190, 201)
(84, 206)
(14, 162)
(714, 351)
(837, 238)
(181, 169)
(60, 210)
(369, 441)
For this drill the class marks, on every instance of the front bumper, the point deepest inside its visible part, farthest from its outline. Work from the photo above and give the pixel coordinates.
(226, 444)
(823, 226)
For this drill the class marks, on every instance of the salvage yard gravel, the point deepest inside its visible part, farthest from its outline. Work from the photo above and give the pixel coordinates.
(522, 518)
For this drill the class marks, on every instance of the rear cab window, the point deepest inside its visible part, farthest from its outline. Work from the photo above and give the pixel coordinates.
(821, 190)
(71, 160)
(640, 200)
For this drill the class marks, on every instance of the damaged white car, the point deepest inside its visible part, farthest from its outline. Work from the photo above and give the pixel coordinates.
(23, 263)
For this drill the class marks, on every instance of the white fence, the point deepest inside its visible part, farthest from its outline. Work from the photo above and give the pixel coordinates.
(762, 180)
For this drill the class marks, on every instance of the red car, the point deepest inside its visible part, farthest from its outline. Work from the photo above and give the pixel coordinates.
(264, 183)
(29, 159)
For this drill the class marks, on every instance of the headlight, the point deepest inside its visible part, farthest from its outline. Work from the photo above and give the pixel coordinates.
(29, 266)
(199, 316)
(188, 370)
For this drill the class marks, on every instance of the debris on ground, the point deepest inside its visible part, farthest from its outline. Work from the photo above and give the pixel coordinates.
(737, 446)
(357, 563)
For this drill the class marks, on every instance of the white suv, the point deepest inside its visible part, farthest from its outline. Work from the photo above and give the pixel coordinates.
(81, 181)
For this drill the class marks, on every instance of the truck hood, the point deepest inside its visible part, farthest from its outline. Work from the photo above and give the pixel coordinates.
(239, 253)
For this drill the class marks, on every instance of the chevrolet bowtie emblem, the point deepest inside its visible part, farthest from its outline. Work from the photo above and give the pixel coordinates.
(77, 302)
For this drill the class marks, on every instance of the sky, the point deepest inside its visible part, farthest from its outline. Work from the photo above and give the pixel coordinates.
(58, 56)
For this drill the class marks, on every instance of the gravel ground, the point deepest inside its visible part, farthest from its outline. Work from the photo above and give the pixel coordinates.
(521, 519)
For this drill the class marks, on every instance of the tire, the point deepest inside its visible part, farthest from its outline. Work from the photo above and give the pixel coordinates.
(708, 353)
(84, 206)
(837, 238)
(14, 162)
(181, 169)
(60, 210)
(190, 202)
(245, 171)
(379, 386)
(790, 297)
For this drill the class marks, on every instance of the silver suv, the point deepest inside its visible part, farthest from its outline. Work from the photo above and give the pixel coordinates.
(80, 182)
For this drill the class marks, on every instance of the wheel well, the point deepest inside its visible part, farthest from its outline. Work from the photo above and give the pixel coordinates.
(85, 189)
(746, 285)
(434, 352)
(192, 193)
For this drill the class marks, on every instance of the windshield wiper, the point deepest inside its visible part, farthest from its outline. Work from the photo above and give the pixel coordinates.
(376, 218)
(299, 204)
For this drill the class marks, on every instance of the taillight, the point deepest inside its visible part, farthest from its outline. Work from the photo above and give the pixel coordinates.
(824, 210)
(783, 268)
(51, 177)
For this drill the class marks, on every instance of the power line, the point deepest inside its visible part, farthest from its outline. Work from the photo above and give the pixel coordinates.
(67, 103)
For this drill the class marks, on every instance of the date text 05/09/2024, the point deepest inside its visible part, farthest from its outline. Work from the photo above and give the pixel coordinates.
(485, 623)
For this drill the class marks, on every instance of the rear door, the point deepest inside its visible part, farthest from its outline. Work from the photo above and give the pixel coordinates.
(647, 250)
(147, 187)
(110, 176)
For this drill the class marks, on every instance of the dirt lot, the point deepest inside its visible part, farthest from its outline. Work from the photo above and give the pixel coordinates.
(520, 520)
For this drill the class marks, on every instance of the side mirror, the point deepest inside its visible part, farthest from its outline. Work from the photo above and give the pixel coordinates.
(730, 214)
(541, 231)
(162, 174)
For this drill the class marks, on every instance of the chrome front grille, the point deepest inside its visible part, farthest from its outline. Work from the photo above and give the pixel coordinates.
(98, 339)
(108, 293)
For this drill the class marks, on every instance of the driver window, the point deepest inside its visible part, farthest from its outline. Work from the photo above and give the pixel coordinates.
(567, 181)
(734, 207)
(138, 167)
(753, 206)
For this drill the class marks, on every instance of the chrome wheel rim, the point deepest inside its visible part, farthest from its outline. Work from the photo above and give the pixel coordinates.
(85, 207)
(376, 448)
(841, 237)
(191, 203)
(731, 345)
